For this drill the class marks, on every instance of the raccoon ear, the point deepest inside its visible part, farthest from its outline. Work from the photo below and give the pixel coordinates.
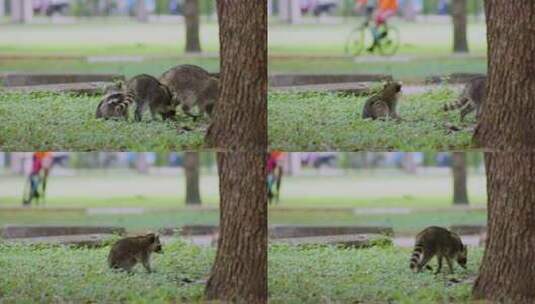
(152, 237)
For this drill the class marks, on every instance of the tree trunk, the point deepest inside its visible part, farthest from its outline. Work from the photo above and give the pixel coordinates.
(191, 168)
(458, 169)
(240, 115)
(142, 166)
(507, 271)
(191, 13)
(507, 120)
(458, 14)
(239, 273)
(141, 11)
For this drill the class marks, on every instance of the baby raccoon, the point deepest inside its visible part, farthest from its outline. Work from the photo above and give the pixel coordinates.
(146, 90)
(113, 105)
(192, 86)
(440, 242)
(383, 104)
(472, 97)
(127, 252)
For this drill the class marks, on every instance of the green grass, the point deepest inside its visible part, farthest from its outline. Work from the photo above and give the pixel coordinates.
(403, 224)
(154, 67)
(413, 70)
(63, 275)
(132, 222)
(374, 275)
(62, 122)
(326, 122)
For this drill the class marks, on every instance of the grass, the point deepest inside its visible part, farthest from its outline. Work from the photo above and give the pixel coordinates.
(62, 122)
(326, 122)
(132, 222)
(403, 224)
(374, 275)
(64, 275)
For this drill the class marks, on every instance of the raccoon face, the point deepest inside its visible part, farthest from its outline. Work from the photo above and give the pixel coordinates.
(155, 244)
(462, 257)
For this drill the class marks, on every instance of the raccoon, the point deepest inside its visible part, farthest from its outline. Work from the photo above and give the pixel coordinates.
(146, 90)
(472, 97)
(383, 104)
(192, 86)
(440, 242)
(113, 105)
(127, 252)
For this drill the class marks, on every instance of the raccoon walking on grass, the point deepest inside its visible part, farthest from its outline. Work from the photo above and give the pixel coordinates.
(471, 98)
(145, 90)
(440, 242)
(383, 104)
(192, 86)
(127, 252)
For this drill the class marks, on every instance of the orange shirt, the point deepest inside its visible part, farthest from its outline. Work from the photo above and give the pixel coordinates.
(385, 5)
(42, 155)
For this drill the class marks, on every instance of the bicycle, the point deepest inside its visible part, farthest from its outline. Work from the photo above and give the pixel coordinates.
(362, 36)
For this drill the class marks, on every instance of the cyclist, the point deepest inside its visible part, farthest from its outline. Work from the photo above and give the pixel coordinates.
(41, 162)
(385, 10)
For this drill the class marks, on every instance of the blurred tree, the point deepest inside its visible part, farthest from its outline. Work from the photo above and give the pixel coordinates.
(142, 15)
(458, 14)
(191, 13)
(507, 272)
(240, 116)
(507, 117)
(191, 168)
(239, 273)
(458, 170)
(142, 166)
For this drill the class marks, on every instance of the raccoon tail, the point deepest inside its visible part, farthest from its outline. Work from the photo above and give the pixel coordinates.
(130, 98)
(457, 104)
(416, 257)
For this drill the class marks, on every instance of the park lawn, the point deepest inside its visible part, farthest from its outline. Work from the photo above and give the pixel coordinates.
(132, 222)
(402, 223)
(103, 37)
(45, 274)
(411, 70)
(329, 122)
(63, 122)
(154, 67)
(374, 275)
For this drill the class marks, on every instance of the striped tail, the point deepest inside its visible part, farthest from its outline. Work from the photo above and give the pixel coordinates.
(457, 104)
(416, 257)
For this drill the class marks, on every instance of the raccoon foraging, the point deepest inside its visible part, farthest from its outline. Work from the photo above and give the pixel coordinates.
(146, 90)
(440, 242)
(113, 105)
(383, 104)
(472, 97)
(127, 252)
(192, 86)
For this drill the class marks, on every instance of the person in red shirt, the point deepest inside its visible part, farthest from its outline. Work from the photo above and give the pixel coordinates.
(41, 163)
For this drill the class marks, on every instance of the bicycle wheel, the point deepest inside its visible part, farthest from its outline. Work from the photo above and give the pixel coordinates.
(356, 40)
(389, 42)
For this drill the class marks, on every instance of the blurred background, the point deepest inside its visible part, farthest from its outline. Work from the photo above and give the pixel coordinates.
(133, 190)
(406, 191)
(310, 36)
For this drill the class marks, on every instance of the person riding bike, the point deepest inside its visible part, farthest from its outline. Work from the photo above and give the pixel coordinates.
(41, 163)
(385, 9)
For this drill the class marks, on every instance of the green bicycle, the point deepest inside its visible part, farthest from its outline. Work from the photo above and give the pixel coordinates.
(361, 38)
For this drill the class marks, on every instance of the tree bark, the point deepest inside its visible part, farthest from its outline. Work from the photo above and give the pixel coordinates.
(458, 14)
(240, 115)
(458, 169)
(191, 13)
(239, 273)
(191, 168)
(507, 120)
(507, 271)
